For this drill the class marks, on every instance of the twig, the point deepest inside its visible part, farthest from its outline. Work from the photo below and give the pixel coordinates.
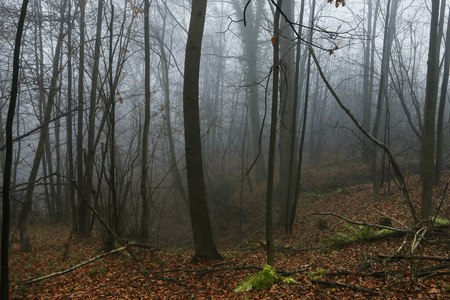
(391, 218)
(360, 223)
(40, 127)
(414, 257)
(395, 166)
(213, 270)
(224, 269)
(352, 287)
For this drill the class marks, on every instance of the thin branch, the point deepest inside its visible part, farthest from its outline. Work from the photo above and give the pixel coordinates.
(123, 248)
(360, 223)
(352, 287)
(39, 127)
(394, 163)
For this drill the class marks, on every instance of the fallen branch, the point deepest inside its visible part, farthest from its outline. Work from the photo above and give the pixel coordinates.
(360, 223)
(415, 257)
(224, 269)
(213, 270)
(344, 285)
(75, 267)
(421, 272)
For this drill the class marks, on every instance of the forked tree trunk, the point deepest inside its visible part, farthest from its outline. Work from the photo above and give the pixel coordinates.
(25, 244)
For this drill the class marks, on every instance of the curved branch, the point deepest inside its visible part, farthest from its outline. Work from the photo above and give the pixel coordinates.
(394, 163)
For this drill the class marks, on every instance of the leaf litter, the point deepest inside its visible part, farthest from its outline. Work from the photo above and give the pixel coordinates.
(332, 273)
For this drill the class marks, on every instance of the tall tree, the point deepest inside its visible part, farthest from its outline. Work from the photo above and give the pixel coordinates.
(70, 190)
(389, 34)
(9, 155)
(204, 244)
(428, 141)
(25, 244)
(287, 139)
(83, 209)
(442, 100)
(293, 199)
(250, 33)
(145, 192)
(90, 154)
(165, 82)
(273, 137)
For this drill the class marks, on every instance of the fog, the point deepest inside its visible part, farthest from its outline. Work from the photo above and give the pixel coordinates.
(235, 99)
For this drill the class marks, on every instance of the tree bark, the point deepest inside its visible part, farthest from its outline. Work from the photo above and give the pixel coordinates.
(145, 192)
(288, 140)
(8, 157)
(205, 247)
(273, 138)
(389, 33)
(441, 111)
(83, 210)
(90, 154)
(250, 34)
(428, 141)
(25, 244)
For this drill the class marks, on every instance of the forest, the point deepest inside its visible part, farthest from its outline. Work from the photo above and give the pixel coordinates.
(240, 149)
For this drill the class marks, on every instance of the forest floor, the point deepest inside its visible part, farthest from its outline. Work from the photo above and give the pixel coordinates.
(323, 255)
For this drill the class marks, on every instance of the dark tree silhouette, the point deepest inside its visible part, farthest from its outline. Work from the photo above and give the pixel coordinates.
(8, 160)
(201, 226)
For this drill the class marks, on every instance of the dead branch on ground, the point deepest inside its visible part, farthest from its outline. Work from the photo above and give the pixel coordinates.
(123, 248)
(360, 223)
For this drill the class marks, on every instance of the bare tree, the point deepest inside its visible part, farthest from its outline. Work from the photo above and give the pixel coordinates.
(428, 141)
(8, 157)
(25, 244)
(205, 247)
(145, 192)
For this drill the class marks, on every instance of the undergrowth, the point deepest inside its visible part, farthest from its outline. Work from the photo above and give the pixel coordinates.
(263, 280)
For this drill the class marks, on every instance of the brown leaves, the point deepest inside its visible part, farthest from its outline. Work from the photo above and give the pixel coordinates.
(168, 273)
(338, 2)
(274, 40)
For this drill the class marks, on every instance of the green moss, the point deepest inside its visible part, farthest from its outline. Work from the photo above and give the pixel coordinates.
(341, 239)
(442, 221)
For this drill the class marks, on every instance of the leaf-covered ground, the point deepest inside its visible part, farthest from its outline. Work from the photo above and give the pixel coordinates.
(334, 273)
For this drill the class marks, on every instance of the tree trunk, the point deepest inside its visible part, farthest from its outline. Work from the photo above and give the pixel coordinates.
(441, 111)
(297, 94)
(8, 157)
(90, 154)
(70, 190)
(176, 176)
(25, 244)
(145, 192)
(273, 138)
(428, 141)
(205, 247)
(250, 34)
(389, 33)
(83, 209)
